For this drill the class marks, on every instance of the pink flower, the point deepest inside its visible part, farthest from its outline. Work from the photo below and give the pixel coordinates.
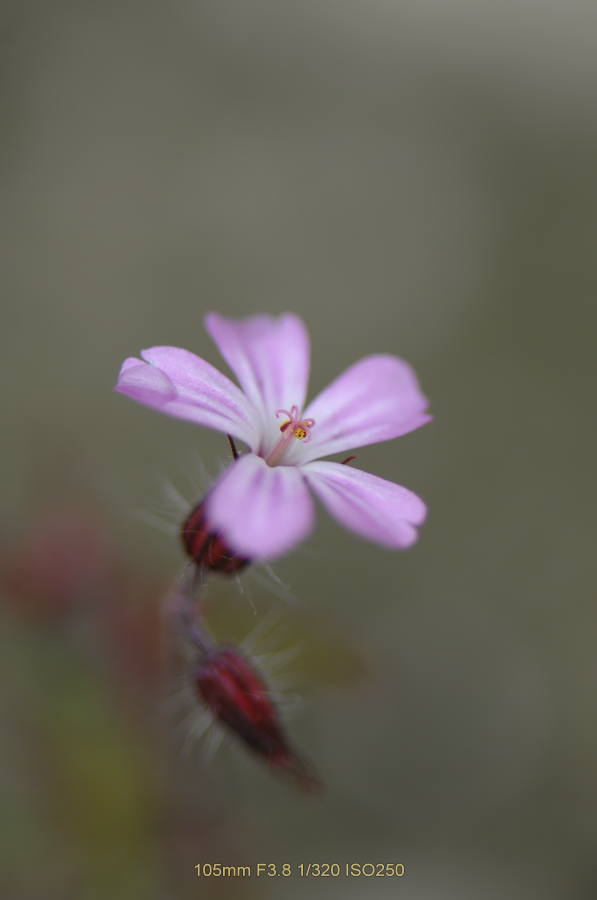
(262, 505)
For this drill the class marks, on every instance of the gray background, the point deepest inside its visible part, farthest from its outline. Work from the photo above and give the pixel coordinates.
(411, 177)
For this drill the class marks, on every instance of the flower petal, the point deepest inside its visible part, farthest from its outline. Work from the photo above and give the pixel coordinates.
(180, 384)
(144, 383)
(261, 511)
(376, 399)
(269, 356)
(376, 509)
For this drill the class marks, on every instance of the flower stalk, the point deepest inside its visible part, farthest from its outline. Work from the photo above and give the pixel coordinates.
(231, 687)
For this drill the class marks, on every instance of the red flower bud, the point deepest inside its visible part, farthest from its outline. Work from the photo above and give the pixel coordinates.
(238, 697)
(206, 547)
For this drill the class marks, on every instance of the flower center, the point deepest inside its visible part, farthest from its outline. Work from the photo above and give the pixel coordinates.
(294, 427)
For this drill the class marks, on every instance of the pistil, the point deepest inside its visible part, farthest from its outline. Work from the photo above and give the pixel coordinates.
(293, 427)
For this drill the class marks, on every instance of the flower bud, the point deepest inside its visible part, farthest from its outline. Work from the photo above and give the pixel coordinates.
(206, 547)
(238, 697)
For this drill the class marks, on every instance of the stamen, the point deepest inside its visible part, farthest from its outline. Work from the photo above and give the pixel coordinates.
(295, 427)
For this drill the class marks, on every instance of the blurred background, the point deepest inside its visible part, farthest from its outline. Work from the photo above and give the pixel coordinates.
(410, 176)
